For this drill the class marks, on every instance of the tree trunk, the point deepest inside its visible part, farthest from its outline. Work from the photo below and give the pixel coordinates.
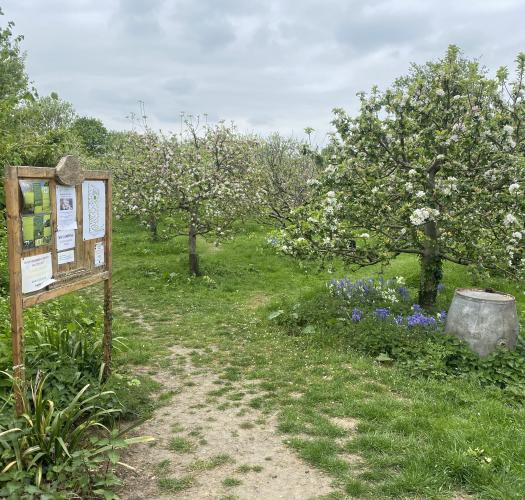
(192, 248)
(153, 227)
(431, 268)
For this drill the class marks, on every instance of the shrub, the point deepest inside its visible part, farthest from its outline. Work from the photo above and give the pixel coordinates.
(373, 317)
(63, 339)
(68, 451)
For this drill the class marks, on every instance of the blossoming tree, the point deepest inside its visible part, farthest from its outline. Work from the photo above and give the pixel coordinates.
(140, 163)
(287, 168)
(197, 185)
(433, 166)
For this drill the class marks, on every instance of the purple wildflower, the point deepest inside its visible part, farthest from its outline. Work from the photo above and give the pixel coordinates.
(357, 315)
(420, 319)
(382, 312)
(403, 293)
(398, 319)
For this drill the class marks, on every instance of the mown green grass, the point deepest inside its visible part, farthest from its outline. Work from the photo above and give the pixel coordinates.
(415, 437)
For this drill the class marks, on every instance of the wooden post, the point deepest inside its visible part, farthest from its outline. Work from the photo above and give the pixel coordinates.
(108, 283)
(14, 246)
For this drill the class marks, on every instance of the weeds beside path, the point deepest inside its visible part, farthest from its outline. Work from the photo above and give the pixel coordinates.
(246, 411)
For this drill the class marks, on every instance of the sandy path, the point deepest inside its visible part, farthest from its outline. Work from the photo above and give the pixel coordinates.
(229, 441)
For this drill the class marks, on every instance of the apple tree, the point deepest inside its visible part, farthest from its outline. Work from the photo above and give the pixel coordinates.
(433, 166)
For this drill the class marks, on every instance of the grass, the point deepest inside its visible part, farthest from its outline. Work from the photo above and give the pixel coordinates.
(210, 463)
(247, 425)
(175, 485)
(231, 482)
(180, 445)
(246, 468)
(417, 437)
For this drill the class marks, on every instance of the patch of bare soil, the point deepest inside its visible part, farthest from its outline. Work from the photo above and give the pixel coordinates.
(257, 300)
(211, 444)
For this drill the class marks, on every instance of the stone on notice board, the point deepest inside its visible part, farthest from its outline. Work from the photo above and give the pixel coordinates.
(69, 171)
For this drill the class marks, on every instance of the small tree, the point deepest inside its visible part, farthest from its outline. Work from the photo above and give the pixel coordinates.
(140, 164)
(92, 134)
(433, 167)
(14, 91)
(198, 186)
(287, 170)
(213, 184)
(45, 114)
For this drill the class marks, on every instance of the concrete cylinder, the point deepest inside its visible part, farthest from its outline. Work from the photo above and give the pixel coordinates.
(484, 319)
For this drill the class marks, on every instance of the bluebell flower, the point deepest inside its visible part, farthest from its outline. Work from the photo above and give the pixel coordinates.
(403, 293)
(416, 308)
(398, 319)
(420, 319)
(357, 315)
(382, 312)
(440, 287)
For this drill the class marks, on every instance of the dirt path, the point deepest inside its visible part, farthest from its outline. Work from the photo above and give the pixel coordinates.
(210, 443)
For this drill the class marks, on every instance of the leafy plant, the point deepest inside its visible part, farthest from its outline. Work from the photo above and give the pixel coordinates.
(68, 450)
(408, 337)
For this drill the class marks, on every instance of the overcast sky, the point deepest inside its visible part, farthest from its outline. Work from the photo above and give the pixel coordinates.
(266, 64)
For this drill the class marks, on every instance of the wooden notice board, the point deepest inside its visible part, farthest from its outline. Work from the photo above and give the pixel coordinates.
(59, 240)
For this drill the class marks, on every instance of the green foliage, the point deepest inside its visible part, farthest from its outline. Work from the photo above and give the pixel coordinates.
(412, 433)
(420, 352)
(13, 79)
(92, 134)
(44, 114)
(14, 91)
(63, 340)
(55, 451)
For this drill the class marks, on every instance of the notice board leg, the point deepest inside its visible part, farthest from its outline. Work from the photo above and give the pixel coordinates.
(14, 245)
(108, 321)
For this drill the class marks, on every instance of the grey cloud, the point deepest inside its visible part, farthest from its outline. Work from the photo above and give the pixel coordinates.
(267, 64)
(179, 85)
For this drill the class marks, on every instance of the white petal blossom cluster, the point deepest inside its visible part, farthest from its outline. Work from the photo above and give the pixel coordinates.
(514, 187)
(510, 220)
(421, 215)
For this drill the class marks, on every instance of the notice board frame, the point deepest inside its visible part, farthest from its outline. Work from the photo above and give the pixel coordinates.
(76, 276)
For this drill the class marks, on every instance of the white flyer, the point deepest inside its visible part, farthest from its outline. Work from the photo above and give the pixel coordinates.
(66, 207)
(65, 240)
(37, 272)
(66, 257)
(99, 254)
(93, 209)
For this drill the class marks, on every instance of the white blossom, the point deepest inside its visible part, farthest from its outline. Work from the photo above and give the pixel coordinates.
(422, 215)
(509, 219)
(514, 187)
